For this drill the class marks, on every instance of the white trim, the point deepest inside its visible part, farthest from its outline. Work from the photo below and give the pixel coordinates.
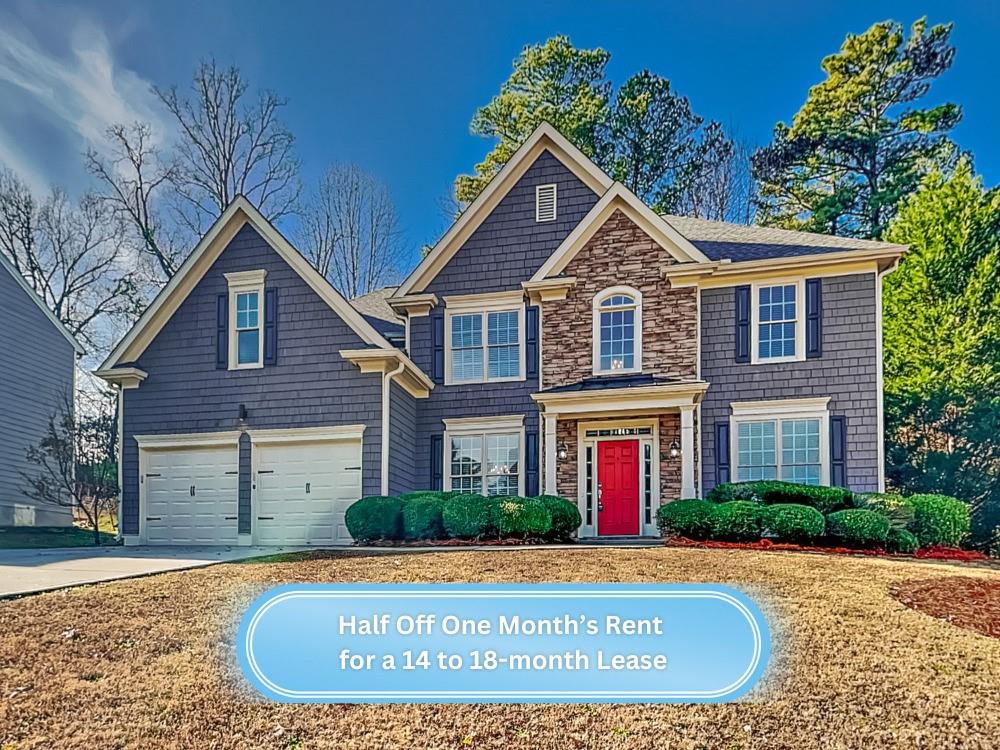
(880, 377)
(23, 283)
(386, 426)
(239, 213)
(413, 305)
(245, 282)
(778, 411)
(555, 202)
(642, 400)
(188, 440)
(551, 428)
(688, 488)
(544, 138)
(124, 377)
(484, 427)
(484, 305)
(800, 320)
(415, 382)
(600, 297)
(620, 198)
(306, 434)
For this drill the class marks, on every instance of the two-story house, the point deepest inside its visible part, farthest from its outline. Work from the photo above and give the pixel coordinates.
(561, 337)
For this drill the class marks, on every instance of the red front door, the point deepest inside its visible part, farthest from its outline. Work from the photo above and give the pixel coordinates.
(618, 475)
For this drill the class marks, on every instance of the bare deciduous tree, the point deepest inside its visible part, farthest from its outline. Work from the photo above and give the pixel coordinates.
(76, 465)
(723, 188)
(228, 146)
(135, 180)
(74, 256)
(350, 231)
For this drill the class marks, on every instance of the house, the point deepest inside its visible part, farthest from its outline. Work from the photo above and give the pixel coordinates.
(561, 337)
(36, 380)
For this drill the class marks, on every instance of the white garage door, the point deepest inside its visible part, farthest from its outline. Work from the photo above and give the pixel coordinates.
(191, 496)
(303, 489)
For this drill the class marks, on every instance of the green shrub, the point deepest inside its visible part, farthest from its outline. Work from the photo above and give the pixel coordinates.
(422, 516)
(519, 517)
(467, 516)
(737, 521)
(425, 493)
(773, 492)
(793, 523)
(901, 540)
(856, 527)
(373, 518)
(898, 509)
(565, 517)
(688, 518)
(939, 519)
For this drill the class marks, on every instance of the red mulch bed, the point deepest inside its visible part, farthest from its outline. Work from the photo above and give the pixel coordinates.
(970, 603)
(928, 553)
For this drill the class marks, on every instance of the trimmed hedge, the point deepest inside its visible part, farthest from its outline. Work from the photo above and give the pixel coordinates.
(737, 521)
(939, 520)
(519, 517)
(793, 523)
(772, 492)
(374, 518)
(898, 509)
(901, 540)
(566, 517)
(467, 516)
(688, 518)
(422, 516)
(856, 527)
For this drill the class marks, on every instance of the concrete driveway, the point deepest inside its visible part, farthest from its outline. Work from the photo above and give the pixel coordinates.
(29, 571)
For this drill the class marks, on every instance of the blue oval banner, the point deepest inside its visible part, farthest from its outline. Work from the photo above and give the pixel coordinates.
(503, 643)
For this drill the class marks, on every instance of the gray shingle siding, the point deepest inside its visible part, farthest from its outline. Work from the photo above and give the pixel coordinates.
(402, 441)
(509, 246)
(310, 386)
(847, 372)
(36, 375)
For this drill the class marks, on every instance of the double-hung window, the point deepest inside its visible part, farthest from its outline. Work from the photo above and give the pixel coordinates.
(779, 330)
(617, 331)
(246, 319)
(484, 457)
(485, 345)
(786, 441)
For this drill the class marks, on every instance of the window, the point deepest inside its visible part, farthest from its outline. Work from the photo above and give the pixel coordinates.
(782, 440)
(618, 331)
(484, 456)
(779, 333)
(246, 318)
(545, 203)
(485, 345)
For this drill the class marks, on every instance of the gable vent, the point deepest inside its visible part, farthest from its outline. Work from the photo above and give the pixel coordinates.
(545, 203)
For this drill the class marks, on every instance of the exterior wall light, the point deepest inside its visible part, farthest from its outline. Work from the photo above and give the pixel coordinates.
(675, 449)
(562, 451)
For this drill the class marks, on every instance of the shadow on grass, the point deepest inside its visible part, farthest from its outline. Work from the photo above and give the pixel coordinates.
(41, 537)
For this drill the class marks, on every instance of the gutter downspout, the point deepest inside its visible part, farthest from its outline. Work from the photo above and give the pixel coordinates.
(386, 386)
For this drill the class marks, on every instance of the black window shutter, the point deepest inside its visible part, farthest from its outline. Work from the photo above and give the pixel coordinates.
(743, 323)
(437, 341)
(814, 318)
(270, 326)
(531, 463)
(437, 461)
(838, 451)
(531, 342)
(222, 332)
(722, 461)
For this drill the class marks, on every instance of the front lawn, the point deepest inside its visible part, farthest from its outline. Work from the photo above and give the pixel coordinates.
(36, 537)
(149, 662)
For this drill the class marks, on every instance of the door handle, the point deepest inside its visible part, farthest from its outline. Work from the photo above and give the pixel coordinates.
(600, 507)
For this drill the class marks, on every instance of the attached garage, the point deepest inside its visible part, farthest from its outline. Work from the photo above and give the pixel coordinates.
(303, 482)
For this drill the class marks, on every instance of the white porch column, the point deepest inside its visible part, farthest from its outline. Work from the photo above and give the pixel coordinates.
(687, 452)
(550, 454)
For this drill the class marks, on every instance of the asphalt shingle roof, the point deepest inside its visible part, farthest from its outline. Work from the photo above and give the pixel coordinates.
(376, 310)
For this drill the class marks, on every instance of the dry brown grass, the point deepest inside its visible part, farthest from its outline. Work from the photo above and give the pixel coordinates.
(149, 664)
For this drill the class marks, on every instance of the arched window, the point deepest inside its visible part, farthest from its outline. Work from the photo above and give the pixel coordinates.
(618, 331)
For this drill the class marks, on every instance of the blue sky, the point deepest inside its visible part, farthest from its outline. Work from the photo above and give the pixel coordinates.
(392, 86)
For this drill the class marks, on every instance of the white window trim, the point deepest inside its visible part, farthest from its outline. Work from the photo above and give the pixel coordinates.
(596, 333)
(481, 427)
(555, 201)
(243, 282)
(484, 305)
(776, 411)
(800, 320)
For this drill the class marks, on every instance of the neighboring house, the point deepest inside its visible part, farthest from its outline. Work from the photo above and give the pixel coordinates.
(36, 380)
(560, 338)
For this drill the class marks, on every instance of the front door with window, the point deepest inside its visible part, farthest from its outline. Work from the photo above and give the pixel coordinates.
(618, 478)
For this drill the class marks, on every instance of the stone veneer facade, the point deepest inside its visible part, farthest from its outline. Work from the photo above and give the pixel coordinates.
(620, 254)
